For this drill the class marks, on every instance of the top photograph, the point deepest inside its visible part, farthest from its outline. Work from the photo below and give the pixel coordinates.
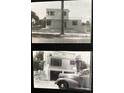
(61, 21)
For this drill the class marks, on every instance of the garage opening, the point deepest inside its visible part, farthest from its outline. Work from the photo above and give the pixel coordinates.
(54, 75)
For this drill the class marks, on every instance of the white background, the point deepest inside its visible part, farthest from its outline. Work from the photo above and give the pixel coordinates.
(15, 46)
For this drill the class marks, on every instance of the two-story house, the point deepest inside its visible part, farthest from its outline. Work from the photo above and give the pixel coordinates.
(58, 62)
(53, 21)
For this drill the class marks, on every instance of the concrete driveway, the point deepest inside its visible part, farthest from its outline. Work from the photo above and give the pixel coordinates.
(45, 84)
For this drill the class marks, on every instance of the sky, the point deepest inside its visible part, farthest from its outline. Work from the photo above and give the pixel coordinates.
(79, 9)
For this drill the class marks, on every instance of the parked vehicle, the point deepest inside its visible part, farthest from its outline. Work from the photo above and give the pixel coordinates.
(75, 81)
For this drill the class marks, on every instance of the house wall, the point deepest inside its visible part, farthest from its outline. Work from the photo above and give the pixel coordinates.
(66, 67)
(55, 24)
(76, 28)
(57, 14)
(65, 60)
(65, 64)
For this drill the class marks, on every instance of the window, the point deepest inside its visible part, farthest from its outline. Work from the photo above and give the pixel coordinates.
(65, 13)
(56, 62)
(74, 22)
(48, 13)
(52, 13)
(48, 22)
(72, 62)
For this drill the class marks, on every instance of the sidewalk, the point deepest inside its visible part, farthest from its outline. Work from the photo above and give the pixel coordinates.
(59, 35)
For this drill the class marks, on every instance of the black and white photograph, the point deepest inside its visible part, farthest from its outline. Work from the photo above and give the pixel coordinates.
(66, 21)
(62, 69)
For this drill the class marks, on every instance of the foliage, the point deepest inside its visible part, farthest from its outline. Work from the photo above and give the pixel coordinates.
(38, 63)
(35, 17)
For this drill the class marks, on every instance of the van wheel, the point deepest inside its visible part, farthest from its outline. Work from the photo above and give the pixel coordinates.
(63, 85)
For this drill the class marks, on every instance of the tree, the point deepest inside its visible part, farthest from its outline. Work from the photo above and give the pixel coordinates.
(38, 63)
(35, 17)
(42, 22)
(39, 56)
(33, 14)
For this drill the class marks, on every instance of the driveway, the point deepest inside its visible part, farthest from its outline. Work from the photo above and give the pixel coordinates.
(45, 84)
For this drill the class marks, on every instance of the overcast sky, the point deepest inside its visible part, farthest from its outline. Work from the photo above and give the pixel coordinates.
(79, 9)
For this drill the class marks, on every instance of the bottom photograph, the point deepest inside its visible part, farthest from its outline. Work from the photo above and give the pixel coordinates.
(62, 69)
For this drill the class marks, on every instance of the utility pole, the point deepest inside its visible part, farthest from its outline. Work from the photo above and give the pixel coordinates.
(62, 17)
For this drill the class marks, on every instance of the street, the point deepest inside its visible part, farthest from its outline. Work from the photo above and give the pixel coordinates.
(55, 38)
(60, 40)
